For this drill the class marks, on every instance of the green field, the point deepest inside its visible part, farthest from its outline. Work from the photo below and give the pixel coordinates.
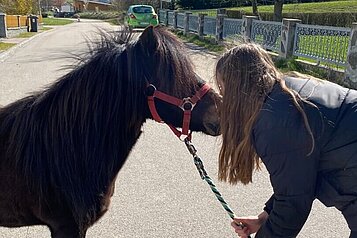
(349, 6)
(315, 7)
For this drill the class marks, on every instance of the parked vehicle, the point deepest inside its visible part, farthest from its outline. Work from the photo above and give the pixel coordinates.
(141, 16)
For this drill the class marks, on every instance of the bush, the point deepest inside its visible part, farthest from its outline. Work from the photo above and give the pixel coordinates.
(47, 14)
(64, 14)
(326, 19)
(100, 15)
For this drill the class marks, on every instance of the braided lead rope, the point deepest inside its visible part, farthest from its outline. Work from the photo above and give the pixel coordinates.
(199, 165)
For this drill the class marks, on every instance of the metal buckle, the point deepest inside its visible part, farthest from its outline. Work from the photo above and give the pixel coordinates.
(187, 104)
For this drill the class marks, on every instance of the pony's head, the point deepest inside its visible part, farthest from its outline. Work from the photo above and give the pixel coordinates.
(165, 66)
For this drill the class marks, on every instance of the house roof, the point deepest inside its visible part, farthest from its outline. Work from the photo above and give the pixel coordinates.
(97, 2)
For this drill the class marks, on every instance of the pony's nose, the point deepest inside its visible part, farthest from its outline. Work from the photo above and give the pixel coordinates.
(213, 129)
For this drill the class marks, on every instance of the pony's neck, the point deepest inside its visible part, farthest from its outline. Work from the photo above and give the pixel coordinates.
(96, 112)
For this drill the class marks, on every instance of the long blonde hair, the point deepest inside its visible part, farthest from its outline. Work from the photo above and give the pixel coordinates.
(245, 75)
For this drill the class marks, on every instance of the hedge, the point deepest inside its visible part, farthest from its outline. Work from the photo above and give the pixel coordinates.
(326, 19)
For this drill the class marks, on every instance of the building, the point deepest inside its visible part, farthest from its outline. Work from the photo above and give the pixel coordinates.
(67, 7)
(99, 5)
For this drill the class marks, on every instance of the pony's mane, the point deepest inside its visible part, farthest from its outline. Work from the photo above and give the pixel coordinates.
(73, 137)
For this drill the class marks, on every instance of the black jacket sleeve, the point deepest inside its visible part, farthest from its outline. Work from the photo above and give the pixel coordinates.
(269, 204)
(284, 151)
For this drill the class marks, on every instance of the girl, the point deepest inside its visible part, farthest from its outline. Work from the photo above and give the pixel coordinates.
(304, 131)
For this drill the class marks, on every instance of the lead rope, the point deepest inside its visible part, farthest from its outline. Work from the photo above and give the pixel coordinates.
(199, 165)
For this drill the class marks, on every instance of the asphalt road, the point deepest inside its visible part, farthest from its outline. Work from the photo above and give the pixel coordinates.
(158, 192)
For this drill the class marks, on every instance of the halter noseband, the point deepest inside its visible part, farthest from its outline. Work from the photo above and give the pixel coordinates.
(186, 104)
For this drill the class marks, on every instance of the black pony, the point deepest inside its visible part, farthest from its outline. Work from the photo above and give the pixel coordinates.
(61, 148)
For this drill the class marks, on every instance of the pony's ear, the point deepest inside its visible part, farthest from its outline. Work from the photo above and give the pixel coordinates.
(148, 39)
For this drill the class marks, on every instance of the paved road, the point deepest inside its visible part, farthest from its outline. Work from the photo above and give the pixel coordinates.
(158, 191)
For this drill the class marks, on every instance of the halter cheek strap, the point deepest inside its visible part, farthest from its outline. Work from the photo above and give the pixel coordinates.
(186, 104)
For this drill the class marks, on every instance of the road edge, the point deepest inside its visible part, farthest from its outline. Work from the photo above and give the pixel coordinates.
(7, 53)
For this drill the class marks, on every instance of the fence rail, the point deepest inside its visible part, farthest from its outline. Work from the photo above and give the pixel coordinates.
(162, 16)
(326, 44)
(232, 28)
(15, 21)
(181, 20)
(24, 21)
(170, 18)
(193, 23)
(267, 34)
(209, 26)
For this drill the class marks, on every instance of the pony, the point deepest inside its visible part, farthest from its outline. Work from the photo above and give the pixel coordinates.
(61, 148)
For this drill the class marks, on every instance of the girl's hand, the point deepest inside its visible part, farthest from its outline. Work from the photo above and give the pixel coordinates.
(251, 224)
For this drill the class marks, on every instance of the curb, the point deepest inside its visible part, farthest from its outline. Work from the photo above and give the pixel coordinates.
(7, 53)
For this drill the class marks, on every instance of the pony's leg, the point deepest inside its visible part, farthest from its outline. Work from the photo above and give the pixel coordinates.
(67, 231)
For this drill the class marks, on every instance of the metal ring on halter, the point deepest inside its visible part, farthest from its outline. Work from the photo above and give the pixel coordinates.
(150, 90)
(187, 104)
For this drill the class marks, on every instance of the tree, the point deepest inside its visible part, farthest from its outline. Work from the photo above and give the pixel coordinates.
(23, 7)
(255, 7)
(58, 3)
(278, 10)
(6, 6)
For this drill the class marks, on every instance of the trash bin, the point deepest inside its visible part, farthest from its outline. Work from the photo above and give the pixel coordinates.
(33, 24)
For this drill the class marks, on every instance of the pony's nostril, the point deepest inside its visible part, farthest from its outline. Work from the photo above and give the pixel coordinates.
(213, 129)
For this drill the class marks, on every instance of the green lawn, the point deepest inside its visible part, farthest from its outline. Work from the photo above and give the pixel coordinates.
(26, 35)
(349, 6)
(315, 7)
(5, 46)
(56, 21)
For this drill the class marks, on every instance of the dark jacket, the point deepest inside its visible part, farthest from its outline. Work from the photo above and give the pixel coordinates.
(329, 173)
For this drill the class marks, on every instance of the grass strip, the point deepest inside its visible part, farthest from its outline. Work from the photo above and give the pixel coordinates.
(6, 46)
(56, 21)
(26, 35)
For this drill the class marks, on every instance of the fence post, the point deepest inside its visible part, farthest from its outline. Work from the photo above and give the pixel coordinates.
(287, 37)
(19, 21)
(351, 67)
(166, 22)
(201, 23)
(3, 30)
(247, 26)
(175, 19)
(187, 23)
(221, 13)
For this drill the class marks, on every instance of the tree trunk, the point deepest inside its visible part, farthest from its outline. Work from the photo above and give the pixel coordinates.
(278, 10)
(255, 7)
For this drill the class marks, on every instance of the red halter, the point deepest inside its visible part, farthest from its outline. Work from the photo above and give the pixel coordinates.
(186, 104)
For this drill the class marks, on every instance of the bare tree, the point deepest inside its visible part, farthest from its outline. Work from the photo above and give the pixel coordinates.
(278, 10)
